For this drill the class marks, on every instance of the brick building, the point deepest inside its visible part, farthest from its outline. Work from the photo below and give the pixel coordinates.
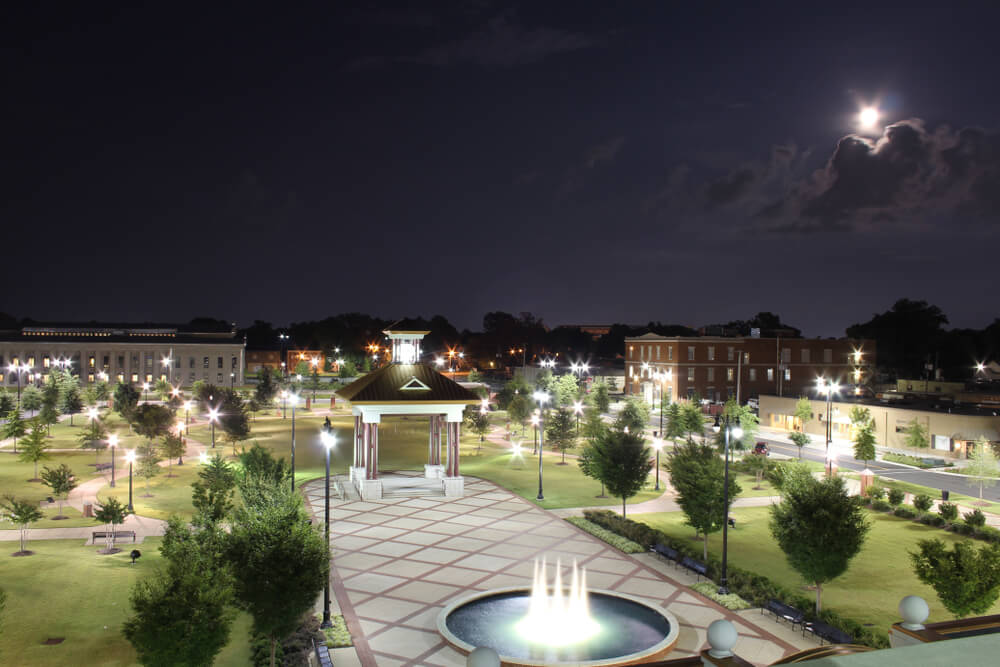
(720, 367)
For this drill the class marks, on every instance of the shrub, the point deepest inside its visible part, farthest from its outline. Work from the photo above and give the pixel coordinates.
(988, 533)
(731, 601)
(929, 519)
(922, 502)
(614, 539)
(880, 505)
(875, 492)
(905, 512)
(975, 518)
(948, 511)
(962, 528)
(896, 497)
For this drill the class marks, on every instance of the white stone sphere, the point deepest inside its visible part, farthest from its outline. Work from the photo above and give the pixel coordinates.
(722, 637)
(914, 611)
(483, 657)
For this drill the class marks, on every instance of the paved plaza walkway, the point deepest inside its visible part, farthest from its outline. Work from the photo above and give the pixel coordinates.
(399, 561)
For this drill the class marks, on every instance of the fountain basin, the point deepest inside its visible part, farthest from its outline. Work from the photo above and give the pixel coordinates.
(632, 630)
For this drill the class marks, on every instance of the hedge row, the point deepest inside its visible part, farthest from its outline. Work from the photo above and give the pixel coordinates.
(614, 539)
(754, 588)
(973, 525)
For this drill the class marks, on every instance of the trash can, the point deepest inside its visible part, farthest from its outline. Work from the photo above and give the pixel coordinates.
(944, 494)
(88, 510)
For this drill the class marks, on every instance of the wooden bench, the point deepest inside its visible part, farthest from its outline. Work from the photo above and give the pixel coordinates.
(666, 552)
(322, 654)
(782, 610)
(827, 632)
(101, 467)
(119, 534)
(699, 568)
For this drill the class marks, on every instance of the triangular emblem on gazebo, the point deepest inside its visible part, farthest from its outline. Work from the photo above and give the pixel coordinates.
(414, 385)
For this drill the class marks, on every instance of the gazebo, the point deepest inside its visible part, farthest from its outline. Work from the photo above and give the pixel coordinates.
(406, 387)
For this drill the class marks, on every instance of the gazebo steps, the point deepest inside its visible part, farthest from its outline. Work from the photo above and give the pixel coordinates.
(404, 486)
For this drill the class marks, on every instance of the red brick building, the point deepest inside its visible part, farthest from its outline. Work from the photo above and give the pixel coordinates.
(718, 368)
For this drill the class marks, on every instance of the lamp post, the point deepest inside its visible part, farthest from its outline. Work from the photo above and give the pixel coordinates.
(213, 416)
(180, 433)
(232, 381)
(284, 339)
(187, 412)
(169, 367)
(328, 440)
(145, 392)
(315, 365)
(293, 399)
(534, 430)
(663, 377)
(541, 397)
(657, 445)
(828, 387)
(113, 443)
(284, 403)
(578, 410)
(736, 432)
(17, 369)
(130, 457)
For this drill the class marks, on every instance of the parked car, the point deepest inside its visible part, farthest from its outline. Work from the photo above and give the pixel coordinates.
(761, 449)
(753, 403)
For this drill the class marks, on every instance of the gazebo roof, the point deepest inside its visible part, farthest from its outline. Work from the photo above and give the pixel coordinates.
(407, 325)
(406, 384)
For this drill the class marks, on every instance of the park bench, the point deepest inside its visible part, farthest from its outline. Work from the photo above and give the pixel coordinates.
(827, 632)
(667, 552)
(699, 568)
(732, 522)
(782, 610)
(100, 467)
(322, 654)
(119, 535)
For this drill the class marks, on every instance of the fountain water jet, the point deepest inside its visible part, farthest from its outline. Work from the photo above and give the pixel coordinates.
(558, 619)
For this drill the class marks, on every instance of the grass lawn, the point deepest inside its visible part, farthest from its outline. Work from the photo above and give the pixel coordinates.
(909, 487)
(169, 495)
(68, 590)
(869, 591)
(14, 474)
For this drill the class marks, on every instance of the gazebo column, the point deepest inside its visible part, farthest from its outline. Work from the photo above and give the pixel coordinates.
(454, 485)
(371, 453)
(369, 485)
(357, 471)
(433, 468)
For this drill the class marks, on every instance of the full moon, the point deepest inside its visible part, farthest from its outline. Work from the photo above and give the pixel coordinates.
(868, 117)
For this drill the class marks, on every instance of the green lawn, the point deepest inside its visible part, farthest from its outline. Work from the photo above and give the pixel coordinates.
(869, 591)
(70, 591)
(168, 495)
(14, 474)
(909, 487)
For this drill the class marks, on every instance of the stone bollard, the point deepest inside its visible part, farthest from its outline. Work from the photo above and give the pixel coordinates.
(483, 657)
(914, 611)
(722, 638)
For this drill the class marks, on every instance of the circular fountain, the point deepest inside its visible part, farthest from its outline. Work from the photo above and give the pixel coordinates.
(559, 625)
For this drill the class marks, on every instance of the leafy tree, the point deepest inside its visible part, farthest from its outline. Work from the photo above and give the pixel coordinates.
(565, 390)
(698, 475)
(983, 467)
(544, 380)
(162, 389)
(147, 458)
(948, 511)
(234, 418)
(896, 497)
(820, 528)
(748, 422)
(15, 427)
(112, 513)
(673, 428)
(786, 474)
(803, 412)
(259, 463)
(560, 430)
(478, 421)
(31, 399)
(864, 434)
(126, 397)
(212, 494)
(61, 480)
(515, 387)
(94, 436)
(102, 391)
(33, 447)
(7, 401)
(922, 502)
(152, 421)
(621, 462)
(280, 562)
(173, 448)
(915, 436)
(692, 419)
(475, 376)
(348, 369)
(799, 439)
(71, 402)
(634, 416)
(966, 581)
(48, 416)
(519, 410)
(266, 387)
(314, 381)
(756, 464)
(22, 513)
(602, 398)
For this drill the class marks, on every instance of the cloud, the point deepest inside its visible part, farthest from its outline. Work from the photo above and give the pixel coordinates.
(576, 174)
(604, 152)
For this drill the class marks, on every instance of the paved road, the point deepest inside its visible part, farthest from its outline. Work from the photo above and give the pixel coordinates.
(935, 480)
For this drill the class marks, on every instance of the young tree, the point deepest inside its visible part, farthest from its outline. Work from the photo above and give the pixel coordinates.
(820, 528)
(22, 513)
(147, 460)
(601, 396)
(280, 561)
(565, 390)
(15, 427)
(162, 389)
(112, 513)
(71, 402)
(915, 436)
(33, 447)
(259, 463)
(692, 419)
(212, 493)
(126, 397)
(634, 416)
(478, 421)
(172, 448)
(152, 421)
(864, 434)
(94, 436)
(560, 430)
(266, 388)
(799, 439)
(594, 431)
(673, 428)
(234, 418)
(803, 412)
(348, 369)
(698, 476)
(47, 416)
(757, 464)
(983, 466)
(519, 410)
(621, 461)
(31, 399)
(102, 391)
(474, 376)
(7, 401)
(966, 581)
(61, 481)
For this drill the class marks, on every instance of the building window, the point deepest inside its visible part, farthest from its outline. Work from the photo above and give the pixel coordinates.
(219, 380)
(657, 352)
(91, 361)
(149, 362)
(107, 361)
(670, 353)
(121, 361)
(219, 363)
(135, 377)
(788, 373)
(149, 377)
(786, 355)
(46, 361)
(690, 353)
(711, 374)
(827, 356)
(121, 377)
(690, 374)
(730, 374)
(730, 353)
(190, 362)
(805, 356)
(90, 378)
(753, 374)
(205, 362)
(232, 363)
(770, 375)
(711, 353)
(31, 361)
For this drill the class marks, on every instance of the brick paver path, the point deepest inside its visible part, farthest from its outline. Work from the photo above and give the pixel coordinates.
(399, 561)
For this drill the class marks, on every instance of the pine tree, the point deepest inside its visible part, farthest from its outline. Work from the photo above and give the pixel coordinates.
(94, 436)
(864, 434)
(560, 430)
(33, 447)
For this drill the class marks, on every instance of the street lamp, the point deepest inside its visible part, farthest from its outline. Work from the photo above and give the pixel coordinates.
(293, 399)
(284, 403)
(145, 392)
(165, 361)
(734, 431)
(663, 377)
(18, 369)
(578, 410)
(657, 445)
(328, 440)
(232, 380)
(283, 338)
(828, 387)
(213, 416)
(541, 397)
(113, 443)
(187, 412)
(130, 457)
(203, 458)
(534, 427)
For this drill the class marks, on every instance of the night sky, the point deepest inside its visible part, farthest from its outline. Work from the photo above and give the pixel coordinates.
(586, 161)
